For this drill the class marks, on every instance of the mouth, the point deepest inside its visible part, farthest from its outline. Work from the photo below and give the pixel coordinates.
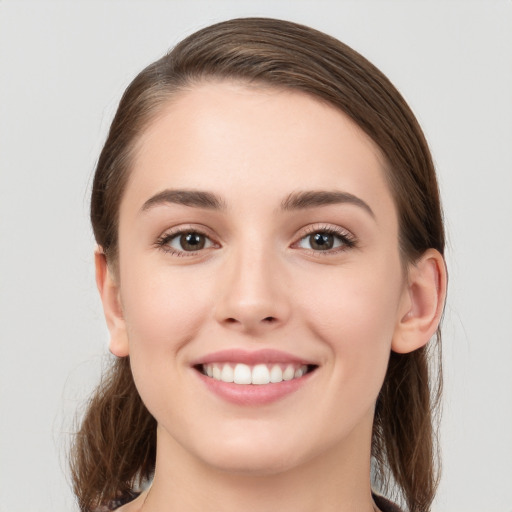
(254, 374)
(253, 378)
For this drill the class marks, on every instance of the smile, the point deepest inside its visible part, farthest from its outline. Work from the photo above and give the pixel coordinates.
(258, 374)
(253, 378)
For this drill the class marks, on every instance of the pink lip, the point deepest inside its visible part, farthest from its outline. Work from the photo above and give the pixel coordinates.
(252, 395)
(263, 356)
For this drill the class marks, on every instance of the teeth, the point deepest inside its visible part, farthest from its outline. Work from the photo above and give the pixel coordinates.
(289, 372)
(259, 374)
(227, 374)
(242, 374)
(276, 374)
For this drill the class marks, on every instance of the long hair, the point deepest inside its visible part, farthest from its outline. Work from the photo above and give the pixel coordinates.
(116, 444)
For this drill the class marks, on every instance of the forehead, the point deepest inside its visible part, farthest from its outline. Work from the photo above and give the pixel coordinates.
(232, 137)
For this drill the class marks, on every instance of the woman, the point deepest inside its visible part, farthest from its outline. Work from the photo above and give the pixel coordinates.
(269, 259)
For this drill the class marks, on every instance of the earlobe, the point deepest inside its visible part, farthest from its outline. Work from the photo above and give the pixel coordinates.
(422, 304)
(109, 293)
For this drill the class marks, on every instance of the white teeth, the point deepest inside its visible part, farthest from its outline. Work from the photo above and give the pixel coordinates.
(227, 374)
(276, 374)
(259, 374)
(289, 372)
(242, 374)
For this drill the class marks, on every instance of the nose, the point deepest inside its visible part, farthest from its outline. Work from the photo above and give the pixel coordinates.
(252, 295)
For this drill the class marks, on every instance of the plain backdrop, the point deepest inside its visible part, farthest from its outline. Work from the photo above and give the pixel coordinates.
(63, 67)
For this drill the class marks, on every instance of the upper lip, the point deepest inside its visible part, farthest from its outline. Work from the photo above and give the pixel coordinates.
(262, 356)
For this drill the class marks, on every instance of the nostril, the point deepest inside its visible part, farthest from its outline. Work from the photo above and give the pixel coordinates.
(250, 323)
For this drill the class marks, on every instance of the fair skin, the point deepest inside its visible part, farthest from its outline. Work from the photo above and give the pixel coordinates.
(275, 274)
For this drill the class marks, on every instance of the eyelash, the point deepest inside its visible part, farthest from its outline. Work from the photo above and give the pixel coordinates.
(164, 240)
(347, 240)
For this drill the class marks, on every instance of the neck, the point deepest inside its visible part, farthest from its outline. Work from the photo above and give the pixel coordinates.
(337, 481)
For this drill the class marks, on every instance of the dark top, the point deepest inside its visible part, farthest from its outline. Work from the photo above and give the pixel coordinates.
(385, 505)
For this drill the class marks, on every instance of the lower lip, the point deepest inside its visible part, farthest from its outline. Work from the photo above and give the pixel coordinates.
(253, 394)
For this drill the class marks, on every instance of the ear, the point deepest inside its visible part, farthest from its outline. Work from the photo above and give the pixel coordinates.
(423, 302)
(110, 297)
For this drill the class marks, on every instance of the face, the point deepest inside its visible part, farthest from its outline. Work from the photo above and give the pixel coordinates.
(258, 241)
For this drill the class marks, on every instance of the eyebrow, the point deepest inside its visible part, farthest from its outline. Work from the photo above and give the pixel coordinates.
(194, 198)
(300, 200)
(310, 199)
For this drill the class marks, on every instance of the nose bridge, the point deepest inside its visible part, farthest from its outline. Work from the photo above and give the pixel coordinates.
(252, 288)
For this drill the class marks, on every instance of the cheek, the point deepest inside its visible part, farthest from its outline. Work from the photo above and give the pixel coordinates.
(355, 315)
(162, 309)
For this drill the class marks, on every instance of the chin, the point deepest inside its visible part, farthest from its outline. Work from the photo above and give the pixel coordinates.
(250, 455)
(255, 463)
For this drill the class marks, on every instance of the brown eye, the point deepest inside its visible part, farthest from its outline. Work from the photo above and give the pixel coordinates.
(326, 240)
(321, 241)
(192, 241)
(185, 241)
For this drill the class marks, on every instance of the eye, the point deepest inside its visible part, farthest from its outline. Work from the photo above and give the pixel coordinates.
(184, 241)
(326, 240)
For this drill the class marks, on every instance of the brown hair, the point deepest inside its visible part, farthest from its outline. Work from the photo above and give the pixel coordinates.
(115, 446)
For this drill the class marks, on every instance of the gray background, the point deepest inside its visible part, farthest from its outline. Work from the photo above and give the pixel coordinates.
(63, 67)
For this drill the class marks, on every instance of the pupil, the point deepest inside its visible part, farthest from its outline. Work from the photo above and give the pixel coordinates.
(322, 241)
(192, 241)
